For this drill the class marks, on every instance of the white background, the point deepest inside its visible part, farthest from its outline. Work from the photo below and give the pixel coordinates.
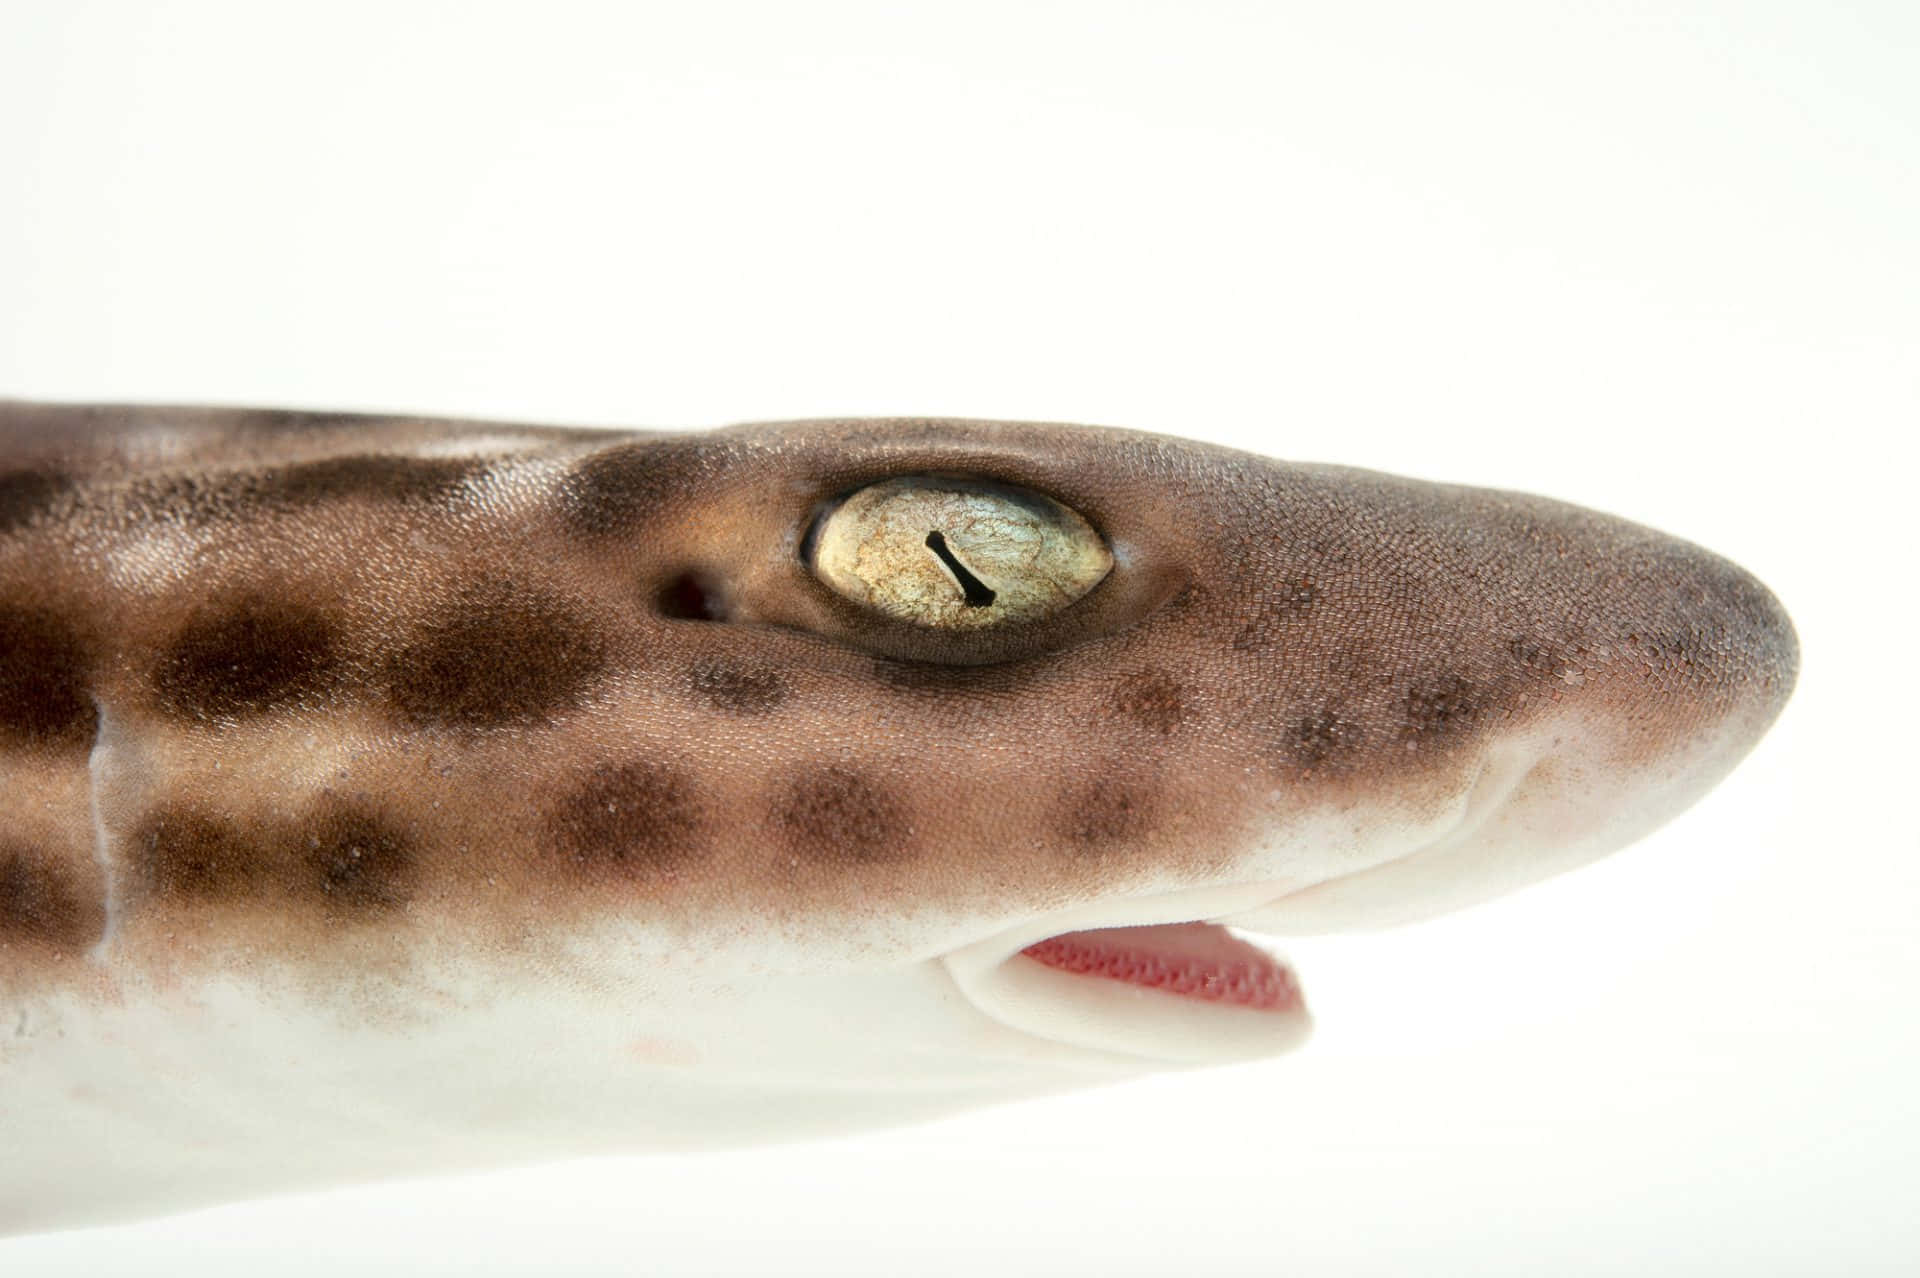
(1659, 259)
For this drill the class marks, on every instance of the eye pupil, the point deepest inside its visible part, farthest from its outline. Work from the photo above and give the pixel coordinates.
(978, 593)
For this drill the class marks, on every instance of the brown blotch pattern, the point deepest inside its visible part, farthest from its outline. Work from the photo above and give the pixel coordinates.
(737, 687)
(350, 861)
(39, 907)
(633, 818)
(44, 699)
(188, 855)
(357, 862)
(25, 494)
(502, 657)
(1321, 738)
(619, 489)
(1151, 699)
(380, 477)
(249, 657)
(1438, 710)
(836, 815)
(1109, 811)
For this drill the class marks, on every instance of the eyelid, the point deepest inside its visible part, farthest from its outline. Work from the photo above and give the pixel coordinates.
(957, 553)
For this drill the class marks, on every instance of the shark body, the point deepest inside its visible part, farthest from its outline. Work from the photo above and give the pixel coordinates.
(389, 795)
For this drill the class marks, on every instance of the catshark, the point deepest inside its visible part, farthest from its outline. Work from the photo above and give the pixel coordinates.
(388, 795)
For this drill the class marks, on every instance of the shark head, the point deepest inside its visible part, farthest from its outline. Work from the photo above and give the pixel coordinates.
(424, 794)
(1301, 698)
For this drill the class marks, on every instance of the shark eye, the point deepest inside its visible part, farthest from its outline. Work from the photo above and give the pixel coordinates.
(958, 554)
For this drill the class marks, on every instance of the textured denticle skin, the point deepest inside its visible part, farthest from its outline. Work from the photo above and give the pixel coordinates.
(379, 726)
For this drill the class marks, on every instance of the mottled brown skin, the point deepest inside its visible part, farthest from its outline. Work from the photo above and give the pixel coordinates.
(385, 676)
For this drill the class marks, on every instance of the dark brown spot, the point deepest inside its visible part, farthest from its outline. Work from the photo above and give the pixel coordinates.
(358, 863)
(38, 907)
(618, 489)
(186, 854)
(25, 494)
(191, 499)
(1442, 708)
(248, 657)
(379, 477)
(1320, 738)
(1151, 699)
(1108, 812)
(741, 689)
(836, 815)
(635, 818)
(44, 698)
(501, 657)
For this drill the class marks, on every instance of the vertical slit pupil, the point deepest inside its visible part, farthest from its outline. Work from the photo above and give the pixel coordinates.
(977, 593)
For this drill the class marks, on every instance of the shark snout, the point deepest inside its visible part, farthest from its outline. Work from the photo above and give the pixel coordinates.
(1692, 666)
(1541, 742)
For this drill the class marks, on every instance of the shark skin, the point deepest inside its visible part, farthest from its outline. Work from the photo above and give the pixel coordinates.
(385, 796)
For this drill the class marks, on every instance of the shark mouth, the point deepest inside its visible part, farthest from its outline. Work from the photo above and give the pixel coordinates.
(1188, 960)
(1162, 977)
(1169, 984)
